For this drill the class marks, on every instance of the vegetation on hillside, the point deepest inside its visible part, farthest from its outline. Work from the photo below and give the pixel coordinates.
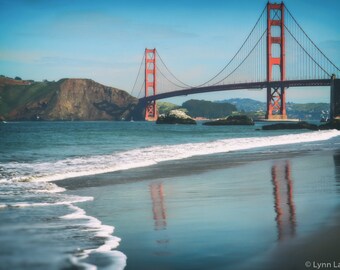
(166, 107)
(67, 99)
(257, 109)
(15, 96)
(208, 109)
(308, 110)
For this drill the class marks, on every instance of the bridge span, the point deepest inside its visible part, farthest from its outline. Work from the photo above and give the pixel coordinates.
(276, 55)
(237, 86)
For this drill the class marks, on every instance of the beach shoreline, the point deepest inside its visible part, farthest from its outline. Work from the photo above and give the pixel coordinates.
(291, 254)
(182, 167)
(172, 197)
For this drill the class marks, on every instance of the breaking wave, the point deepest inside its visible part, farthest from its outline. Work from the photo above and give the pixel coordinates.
(142, 157)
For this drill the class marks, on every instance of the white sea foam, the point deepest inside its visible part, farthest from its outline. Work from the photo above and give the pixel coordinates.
(66, 201)
(86, 266)
(31, 194)
(51, 189)
(17, 190)
(118, 259)
(91, 165)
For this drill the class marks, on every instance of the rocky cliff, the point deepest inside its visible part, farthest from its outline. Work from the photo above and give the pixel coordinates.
(67, 99)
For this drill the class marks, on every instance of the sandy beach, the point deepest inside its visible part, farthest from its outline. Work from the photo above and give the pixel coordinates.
(225, 211)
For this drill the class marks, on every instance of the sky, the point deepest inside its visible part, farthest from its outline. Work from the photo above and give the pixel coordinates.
(105, 40)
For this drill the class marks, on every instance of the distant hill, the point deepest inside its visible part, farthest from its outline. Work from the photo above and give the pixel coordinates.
(66, 99)
(308, 111)
(246, 104)
(199, 108)
(208, 109)
(84, 99)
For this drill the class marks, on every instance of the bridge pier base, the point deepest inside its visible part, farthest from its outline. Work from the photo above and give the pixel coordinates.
(151, 111)
(276, 103)
(335, 99)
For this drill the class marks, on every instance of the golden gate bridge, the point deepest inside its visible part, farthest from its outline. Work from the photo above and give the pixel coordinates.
(276, 55)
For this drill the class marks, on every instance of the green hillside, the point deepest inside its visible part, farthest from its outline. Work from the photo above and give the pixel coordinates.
(67, 99)
(15, 96)
(257, 109)
(165, 107)
(208, 109)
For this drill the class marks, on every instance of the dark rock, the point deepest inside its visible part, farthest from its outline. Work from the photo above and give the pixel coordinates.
(334, 124)
(231, 120)
(176, 117)
(298, 125)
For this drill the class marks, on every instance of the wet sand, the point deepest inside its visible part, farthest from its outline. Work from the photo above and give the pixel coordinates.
(310, 252)
(228, 211)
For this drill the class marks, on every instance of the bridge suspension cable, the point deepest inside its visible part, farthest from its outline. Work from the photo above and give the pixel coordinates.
(178, 80)
(237, 53)
(139, 81)
(304, 60)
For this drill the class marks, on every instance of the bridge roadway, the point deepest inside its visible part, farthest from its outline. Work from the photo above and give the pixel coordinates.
(238, 86)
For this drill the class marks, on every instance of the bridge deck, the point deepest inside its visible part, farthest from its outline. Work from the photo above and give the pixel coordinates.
(238, 86)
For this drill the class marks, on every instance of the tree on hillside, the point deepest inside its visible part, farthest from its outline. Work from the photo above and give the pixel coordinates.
(17, 78)
(165, 107)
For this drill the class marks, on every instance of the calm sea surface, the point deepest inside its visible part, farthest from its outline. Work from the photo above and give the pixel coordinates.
(155, 177)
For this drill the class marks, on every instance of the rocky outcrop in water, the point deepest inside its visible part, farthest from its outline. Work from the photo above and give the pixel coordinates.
(231, 120)
(176, 117)
(298, 125)
(333, 124)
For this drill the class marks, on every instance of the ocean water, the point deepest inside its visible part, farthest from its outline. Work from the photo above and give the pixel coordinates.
(42, 225)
